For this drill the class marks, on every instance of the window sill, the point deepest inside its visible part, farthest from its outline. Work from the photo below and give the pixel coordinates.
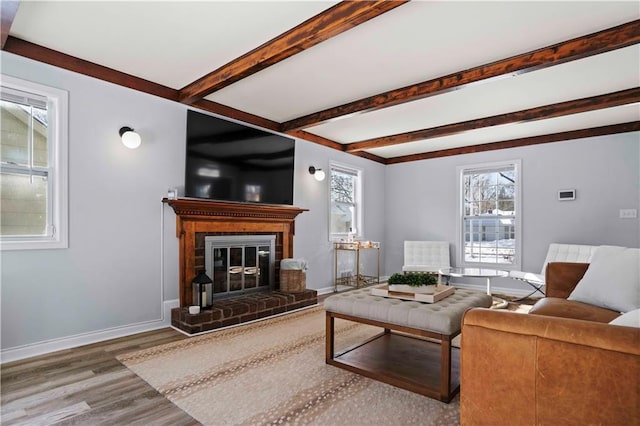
(341, 238)
(42, 244)
(498, 266)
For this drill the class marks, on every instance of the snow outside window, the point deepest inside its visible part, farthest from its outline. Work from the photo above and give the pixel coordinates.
(490, 214)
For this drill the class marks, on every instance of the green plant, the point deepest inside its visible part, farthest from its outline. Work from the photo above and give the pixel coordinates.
(413, 279)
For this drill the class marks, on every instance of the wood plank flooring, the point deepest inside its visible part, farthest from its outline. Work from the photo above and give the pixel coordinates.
(87, 386)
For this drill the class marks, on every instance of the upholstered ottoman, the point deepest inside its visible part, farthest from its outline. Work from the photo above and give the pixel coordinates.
(410, 360)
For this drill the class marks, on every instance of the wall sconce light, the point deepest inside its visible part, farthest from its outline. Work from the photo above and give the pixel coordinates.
(317, 173)
(130, 138)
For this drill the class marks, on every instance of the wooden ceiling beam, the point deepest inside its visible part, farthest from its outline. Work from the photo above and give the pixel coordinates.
(8, 10)
(71, 63)
(577, 48)
(39, 53)
(333, 21)
(61, 60)
(370, 156)
(236, 114)
(608, 100)
(613, 129)
(316, 139)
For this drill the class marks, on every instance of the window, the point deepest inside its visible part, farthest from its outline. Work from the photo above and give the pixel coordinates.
(490, 214)
(33, 166)
(346, 201)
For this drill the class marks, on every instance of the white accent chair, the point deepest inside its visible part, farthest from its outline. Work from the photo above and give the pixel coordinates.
(426, 256)
(572, 253)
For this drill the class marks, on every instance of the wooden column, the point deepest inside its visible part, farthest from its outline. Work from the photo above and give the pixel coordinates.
(194, 216)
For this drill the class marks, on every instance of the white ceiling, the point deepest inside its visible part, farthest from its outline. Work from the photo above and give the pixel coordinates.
(616, 115)
(168, 42)
(415, 42)
(175, 43)
(573, 80)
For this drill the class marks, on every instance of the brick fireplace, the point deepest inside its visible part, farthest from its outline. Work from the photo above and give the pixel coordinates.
(198, 219)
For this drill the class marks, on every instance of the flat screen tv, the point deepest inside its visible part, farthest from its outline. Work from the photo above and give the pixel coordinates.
(227, 161)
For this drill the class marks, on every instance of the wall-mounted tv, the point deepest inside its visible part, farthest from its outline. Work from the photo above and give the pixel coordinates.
(227, 161)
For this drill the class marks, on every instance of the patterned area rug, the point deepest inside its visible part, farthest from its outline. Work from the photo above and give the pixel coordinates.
(273, 372)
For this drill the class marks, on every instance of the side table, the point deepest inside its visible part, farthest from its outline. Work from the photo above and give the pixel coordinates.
(359, 280)
(486, 273)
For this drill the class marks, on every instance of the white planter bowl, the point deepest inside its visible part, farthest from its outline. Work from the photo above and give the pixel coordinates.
(404, 288)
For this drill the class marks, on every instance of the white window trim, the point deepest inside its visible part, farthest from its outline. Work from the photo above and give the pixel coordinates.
(359, 201)
(518, 220)
(58, 131)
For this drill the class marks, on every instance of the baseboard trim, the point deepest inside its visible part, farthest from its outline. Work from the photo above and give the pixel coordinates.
(324, 290)
(53, 345)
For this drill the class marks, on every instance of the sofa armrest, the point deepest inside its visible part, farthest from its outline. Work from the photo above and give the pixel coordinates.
(534, 369)
(578, 332)
(562, 277)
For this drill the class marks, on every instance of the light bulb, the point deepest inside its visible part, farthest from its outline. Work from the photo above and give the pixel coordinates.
(131, 139)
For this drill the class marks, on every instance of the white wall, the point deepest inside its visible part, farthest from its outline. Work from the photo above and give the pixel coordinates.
(422, 198)
(108, 281)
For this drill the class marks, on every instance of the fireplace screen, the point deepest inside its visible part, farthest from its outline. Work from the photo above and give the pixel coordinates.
(240, 263)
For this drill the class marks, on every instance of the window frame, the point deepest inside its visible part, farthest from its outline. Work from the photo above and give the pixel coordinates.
(488, 168)
(358, 205)
(57, 176)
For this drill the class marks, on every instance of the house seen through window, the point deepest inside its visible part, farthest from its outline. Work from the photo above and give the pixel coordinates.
(346, 201)
(490, 227)
(32, 171)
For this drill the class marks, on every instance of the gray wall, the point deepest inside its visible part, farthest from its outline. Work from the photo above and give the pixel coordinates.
(110, 276)
(312, 238)
(605, 171)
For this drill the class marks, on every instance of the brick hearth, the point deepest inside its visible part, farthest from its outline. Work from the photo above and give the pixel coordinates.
(240, 309)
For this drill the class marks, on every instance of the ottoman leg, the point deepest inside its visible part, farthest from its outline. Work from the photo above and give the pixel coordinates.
(445, 372)
(329, 337)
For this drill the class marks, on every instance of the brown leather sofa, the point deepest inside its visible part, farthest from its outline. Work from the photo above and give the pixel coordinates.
(562, 364)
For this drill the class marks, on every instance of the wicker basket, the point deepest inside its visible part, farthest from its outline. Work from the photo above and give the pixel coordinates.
(293, 280)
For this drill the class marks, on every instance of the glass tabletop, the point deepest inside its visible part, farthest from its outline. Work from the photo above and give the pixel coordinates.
(473, 272)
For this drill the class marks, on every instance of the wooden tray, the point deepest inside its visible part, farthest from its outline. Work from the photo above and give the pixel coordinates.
(441, 292)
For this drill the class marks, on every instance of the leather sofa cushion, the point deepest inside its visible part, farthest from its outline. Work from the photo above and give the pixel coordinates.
(557, 307)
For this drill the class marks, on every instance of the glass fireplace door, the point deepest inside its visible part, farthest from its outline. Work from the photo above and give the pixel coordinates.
(251, 271)
(241, 264)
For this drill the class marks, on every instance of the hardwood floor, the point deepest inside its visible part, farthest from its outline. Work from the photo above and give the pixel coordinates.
(87, 386)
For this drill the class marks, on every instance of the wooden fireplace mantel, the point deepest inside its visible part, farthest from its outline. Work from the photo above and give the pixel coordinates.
(205, 216)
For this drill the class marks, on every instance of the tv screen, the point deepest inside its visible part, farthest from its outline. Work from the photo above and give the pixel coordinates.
(228, 161)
